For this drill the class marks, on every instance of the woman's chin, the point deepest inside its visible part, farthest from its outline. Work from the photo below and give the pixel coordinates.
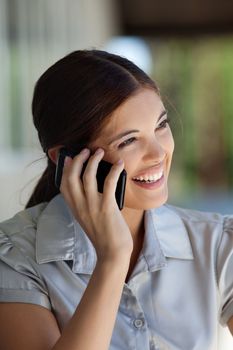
(148, 203)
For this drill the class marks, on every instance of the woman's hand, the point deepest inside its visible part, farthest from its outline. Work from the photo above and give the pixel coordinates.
(97, 213)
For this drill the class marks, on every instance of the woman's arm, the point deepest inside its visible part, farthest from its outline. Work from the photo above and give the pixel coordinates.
(230, 325)
(93, 321)
(27, 327)
(92, 324)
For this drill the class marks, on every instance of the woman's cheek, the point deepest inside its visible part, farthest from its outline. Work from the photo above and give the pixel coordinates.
(129, 161)
(111, 156)
(126, 154)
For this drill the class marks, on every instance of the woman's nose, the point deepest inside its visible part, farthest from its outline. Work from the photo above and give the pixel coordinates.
(154, 151)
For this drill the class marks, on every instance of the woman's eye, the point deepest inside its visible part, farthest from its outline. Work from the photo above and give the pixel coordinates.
(127, 142)
(164, 123)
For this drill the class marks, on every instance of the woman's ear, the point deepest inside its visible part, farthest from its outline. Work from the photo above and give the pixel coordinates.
(53, 153)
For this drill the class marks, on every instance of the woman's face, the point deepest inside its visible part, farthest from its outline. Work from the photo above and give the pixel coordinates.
(146, 149)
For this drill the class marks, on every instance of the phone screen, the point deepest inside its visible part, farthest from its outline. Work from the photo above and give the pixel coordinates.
(102, 171)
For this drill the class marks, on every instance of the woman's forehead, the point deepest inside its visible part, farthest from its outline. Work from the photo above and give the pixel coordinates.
(133, 112)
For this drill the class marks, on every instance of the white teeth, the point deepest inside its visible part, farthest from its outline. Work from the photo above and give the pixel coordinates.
(154, 177)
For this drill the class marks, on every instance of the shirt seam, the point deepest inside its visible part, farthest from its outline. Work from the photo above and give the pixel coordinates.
(182, 216)
(12, 233)
(201, 221)
(217, 254)
(23, 289)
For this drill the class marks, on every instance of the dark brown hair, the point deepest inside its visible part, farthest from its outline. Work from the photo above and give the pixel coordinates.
(74, 98)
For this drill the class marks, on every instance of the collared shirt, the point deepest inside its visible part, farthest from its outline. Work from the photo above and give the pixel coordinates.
(178, 292)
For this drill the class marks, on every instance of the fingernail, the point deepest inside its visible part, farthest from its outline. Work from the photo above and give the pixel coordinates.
(120, 161)
(85, 151)
(99, 150)
(67, 161)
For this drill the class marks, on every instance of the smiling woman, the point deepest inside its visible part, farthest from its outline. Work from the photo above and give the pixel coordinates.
(76, 272)
(147, 153)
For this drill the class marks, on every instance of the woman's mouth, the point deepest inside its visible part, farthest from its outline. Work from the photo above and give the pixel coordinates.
(150, 181)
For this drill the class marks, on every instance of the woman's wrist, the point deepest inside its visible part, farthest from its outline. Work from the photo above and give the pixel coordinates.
(118, 263)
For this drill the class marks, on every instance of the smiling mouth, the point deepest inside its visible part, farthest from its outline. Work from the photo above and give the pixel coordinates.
(150, 184)
(149, 178)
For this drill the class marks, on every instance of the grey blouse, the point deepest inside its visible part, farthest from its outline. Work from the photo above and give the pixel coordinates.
(181, 287)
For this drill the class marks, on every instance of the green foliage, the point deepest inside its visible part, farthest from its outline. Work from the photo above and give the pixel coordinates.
(197, 77)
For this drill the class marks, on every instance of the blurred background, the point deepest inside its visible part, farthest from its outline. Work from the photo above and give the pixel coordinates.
(185, 45)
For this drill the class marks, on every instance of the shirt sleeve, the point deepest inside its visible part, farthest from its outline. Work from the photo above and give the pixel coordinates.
(225, 271)
(19, 280)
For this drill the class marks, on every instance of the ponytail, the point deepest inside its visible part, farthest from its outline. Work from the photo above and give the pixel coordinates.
(45, 189)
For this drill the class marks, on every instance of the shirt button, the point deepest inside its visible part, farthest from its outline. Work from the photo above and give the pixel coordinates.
(138, 323)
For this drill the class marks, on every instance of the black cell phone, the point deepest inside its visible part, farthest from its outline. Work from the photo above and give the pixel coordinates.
(102, 171)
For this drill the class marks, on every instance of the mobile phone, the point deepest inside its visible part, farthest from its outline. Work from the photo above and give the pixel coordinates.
(102, 171)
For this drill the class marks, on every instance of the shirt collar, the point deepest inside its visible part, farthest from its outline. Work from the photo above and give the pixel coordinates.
(171, 232)
(60, 237)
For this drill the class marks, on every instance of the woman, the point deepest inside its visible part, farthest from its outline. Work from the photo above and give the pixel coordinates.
(77, 272)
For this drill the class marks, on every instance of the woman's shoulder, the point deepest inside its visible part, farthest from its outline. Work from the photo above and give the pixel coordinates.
(194, 215)
(210, 223)
(30, 230)
(20, 230)
(20, 277)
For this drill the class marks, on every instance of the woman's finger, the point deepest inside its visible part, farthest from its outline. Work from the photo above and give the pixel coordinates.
(72, 171)
(89, 177)
(110, 183)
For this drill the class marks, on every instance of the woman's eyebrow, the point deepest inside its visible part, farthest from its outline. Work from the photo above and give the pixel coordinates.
(122, 134)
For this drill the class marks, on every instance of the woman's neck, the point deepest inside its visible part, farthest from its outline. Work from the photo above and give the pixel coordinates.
(135, 220)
